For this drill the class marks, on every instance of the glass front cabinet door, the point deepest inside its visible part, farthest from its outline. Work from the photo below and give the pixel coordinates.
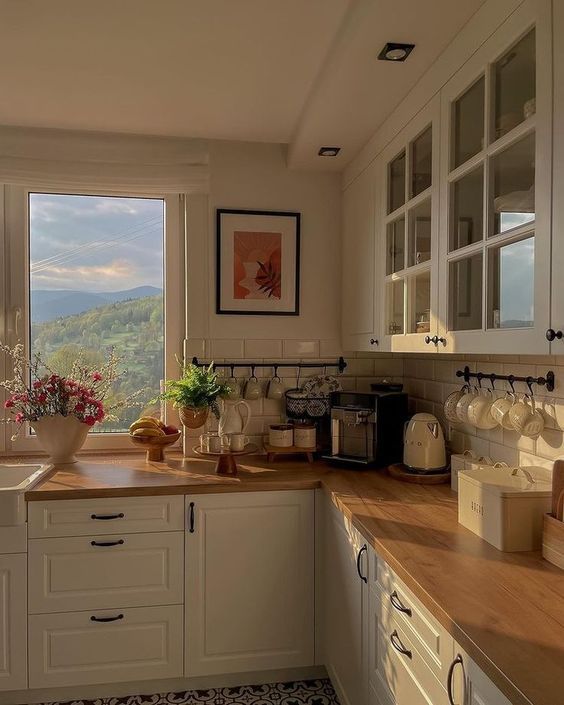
(408, 237)
(496, 192)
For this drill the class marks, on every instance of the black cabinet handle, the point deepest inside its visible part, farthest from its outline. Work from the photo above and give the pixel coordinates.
(442, 341)
(453, 665)
(397, 603)
(373, 341)
(398, 646)
(107, 517)
(120, 542)
(192, 519)
(428, 339)
(358, 559)
(106, 619)
(551, 334)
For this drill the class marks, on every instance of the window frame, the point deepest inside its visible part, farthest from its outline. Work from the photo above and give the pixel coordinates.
(15, 311)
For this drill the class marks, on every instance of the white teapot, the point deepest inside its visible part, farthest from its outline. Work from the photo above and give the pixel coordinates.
(231, 419)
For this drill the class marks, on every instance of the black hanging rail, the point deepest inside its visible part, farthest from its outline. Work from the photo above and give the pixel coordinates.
(340, 364)
(547, 381)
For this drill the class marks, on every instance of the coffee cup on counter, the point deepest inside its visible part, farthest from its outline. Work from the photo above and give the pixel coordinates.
(281, 435)
(211, 443)
(237, 442)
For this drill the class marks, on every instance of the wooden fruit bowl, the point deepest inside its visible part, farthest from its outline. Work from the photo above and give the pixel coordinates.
(155, 445)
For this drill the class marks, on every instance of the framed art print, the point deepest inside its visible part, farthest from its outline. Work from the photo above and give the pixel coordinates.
(258, 262)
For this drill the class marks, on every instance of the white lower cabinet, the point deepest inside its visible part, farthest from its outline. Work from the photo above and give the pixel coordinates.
(345, 572)
(81, 648)
(13, 617)
(249, 582)
(470, 685)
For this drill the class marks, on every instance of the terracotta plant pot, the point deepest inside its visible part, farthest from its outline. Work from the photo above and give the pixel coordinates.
(194, 417)
(60, 436)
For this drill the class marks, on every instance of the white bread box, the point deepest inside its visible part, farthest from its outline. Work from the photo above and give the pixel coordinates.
(504, 506)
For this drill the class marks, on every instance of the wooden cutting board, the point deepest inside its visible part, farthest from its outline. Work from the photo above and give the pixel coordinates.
(557, 488)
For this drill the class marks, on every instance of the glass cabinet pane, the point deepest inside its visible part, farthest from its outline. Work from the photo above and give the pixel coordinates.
(395, 246)
(465, 293)
(420, 234)
(395, 294)
(467, 224)
(514, 186)
(420, 300)
(421, 162)
(396, 182)
(468, 124)
(514, 86)
(511, 285)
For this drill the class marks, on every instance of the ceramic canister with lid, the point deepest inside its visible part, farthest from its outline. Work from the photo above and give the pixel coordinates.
(305, 435)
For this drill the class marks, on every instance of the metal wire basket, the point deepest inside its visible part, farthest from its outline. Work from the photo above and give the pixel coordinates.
(302, 406)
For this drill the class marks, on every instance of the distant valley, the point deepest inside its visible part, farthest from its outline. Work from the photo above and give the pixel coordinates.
(48, 305)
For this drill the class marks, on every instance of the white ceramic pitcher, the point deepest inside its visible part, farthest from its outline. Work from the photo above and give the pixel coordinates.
(231, 419)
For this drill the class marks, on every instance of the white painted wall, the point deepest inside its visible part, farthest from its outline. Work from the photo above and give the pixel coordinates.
(255, 176)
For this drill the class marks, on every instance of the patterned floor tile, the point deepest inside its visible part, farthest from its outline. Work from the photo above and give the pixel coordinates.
(310, 692)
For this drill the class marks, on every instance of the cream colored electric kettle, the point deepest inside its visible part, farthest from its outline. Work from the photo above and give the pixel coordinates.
(424, 444)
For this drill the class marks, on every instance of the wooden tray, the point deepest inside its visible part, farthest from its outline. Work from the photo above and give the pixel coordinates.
(553, 541)
(400, 472)
(272, 451)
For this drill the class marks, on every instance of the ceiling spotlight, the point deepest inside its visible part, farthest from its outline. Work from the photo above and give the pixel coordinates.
(328, 151)
(395, 52)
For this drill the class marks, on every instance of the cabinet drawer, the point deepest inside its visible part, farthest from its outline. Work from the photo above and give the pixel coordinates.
(434, 643)
(86, 517)
(129, 570)
(75, 649)
(405, 676)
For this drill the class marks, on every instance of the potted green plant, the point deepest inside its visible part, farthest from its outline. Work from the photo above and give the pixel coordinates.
(195, 393)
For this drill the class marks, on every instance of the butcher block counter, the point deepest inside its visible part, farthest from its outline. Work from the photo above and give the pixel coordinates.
(505, 609)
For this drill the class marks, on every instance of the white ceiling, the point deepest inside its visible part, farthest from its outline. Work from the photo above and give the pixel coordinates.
(302, 72)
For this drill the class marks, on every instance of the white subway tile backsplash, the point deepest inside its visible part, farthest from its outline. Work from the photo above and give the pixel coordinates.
(330, 349)
(259, 349)
(227, 349)
(194, 347)
(301, 348)
(360, 368)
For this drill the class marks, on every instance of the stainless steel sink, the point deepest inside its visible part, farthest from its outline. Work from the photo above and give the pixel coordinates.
(15, 480)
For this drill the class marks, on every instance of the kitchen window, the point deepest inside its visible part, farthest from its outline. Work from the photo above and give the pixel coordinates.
(90, 272)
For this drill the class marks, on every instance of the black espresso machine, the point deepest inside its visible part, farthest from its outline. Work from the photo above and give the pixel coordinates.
(367, 427)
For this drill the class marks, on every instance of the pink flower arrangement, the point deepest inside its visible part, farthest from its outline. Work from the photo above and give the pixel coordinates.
(36, 391)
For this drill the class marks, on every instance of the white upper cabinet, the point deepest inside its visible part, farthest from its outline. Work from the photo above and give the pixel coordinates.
(359, 314)
(495, 229)
(407, 261)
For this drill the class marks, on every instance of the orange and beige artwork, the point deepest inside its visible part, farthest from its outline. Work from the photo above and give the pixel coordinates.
(257, 265)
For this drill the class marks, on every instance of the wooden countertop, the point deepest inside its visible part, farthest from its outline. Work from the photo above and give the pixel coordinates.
(505, 609)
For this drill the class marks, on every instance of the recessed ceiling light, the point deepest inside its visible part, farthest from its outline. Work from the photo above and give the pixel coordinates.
(328, 151)
(394, 51)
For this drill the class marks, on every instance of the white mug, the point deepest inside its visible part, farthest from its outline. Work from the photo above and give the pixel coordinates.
(500, 410)
(252, 389)
(526, 418)
(281, 435)
(234, 388)
(479, 411)
(463, 404)
(210, 442)
(237, 441)
(275, 388)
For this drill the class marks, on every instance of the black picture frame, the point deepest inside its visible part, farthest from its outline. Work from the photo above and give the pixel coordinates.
(219, 308)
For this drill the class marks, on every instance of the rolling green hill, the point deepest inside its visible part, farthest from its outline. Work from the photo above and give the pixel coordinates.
(134, 328)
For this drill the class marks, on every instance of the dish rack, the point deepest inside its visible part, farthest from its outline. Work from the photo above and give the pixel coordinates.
(301, 406)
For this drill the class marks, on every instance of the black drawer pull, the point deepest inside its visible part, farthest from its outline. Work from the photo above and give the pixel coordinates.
(107, 517)
(106, 619)
(397, 603)
(358, 560)
(107, 543)
(398, 646)
(457, 660)
(192, 518)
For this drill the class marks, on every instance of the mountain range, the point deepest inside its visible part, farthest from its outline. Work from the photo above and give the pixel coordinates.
(50, 304)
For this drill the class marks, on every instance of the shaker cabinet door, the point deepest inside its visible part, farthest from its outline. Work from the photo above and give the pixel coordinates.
(359, 312)
(13, 622)
(249, 582)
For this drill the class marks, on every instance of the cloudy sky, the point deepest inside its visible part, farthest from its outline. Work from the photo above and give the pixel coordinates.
(95, 243)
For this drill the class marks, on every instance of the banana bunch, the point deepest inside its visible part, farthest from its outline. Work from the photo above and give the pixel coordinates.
(150, 426)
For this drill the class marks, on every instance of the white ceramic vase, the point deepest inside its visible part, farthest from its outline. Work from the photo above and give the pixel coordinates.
(60, 436)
